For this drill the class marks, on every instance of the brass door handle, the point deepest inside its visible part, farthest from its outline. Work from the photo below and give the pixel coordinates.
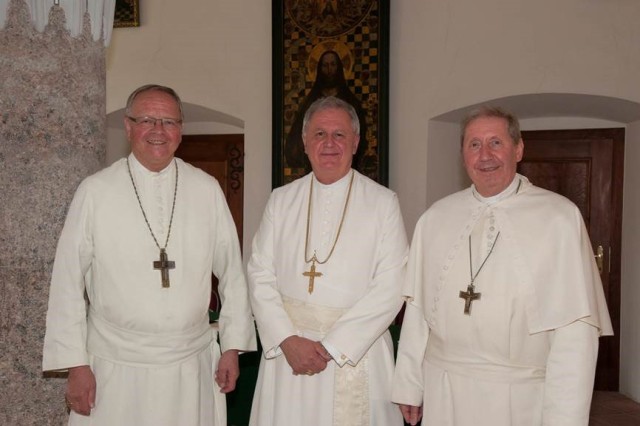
(600, 258)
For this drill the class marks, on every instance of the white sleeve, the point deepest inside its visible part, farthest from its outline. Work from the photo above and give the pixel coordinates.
(354, 332)
(237, 330)
(408, 378)
(273, 322)
(570, 375)
(66, 332)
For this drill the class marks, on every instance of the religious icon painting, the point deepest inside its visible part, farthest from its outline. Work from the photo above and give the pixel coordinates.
(323, 48)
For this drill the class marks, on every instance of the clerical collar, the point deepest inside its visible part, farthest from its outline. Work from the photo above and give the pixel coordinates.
(342, 182)
(513, 188)
(139, 167)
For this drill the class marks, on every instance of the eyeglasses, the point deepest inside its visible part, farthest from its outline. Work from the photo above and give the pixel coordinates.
(148, 123)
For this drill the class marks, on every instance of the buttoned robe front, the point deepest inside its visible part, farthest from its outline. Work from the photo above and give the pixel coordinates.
(525, 355)
(350, 308)
(151, 349)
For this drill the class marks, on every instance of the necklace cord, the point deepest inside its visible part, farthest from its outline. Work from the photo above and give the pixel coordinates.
(335, 242)
(473, 277)
(173, 207)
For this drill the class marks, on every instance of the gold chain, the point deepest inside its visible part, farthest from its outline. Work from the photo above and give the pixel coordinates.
(173, 208)
(344, 213)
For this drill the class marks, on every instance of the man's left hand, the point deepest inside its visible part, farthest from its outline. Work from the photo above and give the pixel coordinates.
(228, 371)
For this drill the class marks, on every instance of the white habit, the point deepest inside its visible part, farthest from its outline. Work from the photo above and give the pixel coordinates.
(350, 309)
(151, 349)
(526, 354)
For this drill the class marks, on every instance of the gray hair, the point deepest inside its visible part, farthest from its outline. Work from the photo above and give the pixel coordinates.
(488, 111)
(153, 88)
(331, 102)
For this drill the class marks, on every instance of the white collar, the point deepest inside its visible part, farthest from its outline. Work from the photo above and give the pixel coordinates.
(513, 188)
(340, 183)
(140, 168)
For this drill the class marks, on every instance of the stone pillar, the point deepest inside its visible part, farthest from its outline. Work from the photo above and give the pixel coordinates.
(52, 135)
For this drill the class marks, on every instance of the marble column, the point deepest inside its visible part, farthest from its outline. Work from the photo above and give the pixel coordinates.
(52, 135)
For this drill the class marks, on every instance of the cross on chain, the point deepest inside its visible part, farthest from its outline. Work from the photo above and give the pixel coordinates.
(312, 274)
(469, 296)
(164, 264)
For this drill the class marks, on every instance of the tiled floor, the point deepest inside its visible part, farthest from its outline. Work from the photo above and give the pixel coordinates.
(613, 409)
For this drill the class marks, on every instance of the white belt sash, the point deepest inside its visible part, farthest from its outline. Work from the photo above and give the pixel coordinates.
(138, 349)
(479, 367)
(351, 392)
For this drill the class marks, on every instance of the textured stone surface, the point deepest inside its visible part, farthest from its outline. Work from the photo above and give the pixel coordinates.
(52, 134)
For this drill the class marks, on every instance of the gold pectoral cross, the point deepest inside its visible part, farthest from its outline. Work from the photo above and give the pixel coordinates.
(312, 274)
(164, 264)
(469, 296)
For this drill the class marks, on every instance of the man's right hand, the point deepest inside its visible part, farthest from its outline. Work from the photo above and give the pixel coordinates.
(81, 390)
(303, 355)
(411, 414)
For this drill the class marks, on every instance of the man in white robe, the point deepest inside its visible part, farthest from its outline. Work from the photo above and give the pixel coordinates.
(504, 301)
(141, 351)
(325, 277)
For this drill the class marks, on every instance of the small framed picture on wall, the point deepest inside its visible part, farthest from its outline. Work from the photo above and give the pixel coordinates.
(127, 14)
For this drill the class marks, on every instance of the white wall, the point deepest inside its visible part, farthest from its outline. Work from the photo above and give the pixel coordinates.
(447, 176)
(445, 56)
(630, 297)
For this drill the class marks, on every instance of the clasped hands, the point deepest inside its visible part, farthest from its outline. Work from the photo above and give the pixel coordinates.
(305, 356)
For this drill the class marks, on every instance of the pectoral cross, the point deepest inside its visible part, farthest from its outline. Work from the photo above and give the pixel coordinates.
(312, 274)
(469, 296)
(164, 264)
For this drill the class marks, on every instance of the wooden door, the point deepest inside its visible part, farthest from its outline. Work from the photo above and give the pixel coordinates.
(221, 156)
(586, 166)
